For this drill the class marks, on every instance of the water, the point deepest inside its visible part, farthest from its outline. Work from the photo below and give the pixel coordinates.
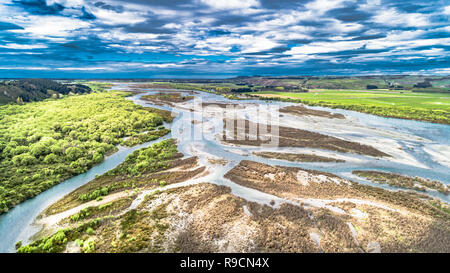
(387, 134)
(17, 224)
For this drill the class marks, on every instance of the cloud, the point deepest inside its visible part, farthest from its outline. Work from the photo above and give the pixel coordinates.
(322, 6)
(231, 4)
(50, 27)
(391, 17)
(39, 7)
(37, 68)
(19, 46)
(112, 17)
(8, 26)
(447, 10)
(190, 37)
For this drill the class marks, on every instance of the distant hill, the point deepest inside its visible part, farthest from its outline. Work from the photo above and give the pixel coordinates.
(18, 91)
(416, 83)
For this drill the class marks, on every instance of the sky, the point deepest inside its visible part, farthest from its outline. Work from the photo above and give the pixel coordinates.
(222, 38)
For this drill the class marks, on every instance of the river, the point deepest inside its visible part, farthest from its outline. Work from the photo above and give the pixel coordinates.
(418, 149)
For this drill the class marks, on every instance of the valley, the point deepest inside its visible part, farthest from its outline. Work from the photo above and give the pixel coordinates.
(192, 178)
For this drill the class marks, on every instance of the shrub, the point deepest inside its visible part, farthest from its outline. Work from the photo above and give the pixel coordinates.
(23, 159)
(73, 153)
(50, 158)
(90, 231)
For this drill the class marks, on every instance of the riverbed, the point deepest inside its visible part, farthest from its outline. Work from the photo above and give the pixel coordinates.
(415, 149)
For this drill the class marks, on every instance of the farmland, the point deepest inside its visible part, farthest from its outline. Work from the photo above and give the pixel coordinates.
(416, 97)
(433, 107)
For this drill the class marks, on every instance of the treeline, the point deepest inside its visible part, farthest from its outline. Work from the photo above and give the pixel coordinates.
(27, 90)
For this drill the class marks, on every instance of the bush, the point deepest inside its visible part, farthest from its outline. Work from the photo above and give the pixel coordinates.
(95, 194)
(73, 153)
(38, 149)
(51, 158)
(24, 160)
(90, 231)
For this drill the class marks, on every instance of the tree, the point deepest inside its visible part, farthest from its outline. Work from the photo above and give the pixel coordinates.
(73, 153)
(424, 84)
(51, 158)
(19, 100)
(23, 159)
(39, 149)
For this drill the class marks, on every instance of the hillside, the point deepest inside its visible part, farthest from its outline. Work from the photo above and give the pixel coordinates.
(27, 90)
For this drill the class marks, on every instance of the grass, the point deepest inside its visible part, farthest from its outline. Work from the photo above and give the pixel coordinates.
(433, 107)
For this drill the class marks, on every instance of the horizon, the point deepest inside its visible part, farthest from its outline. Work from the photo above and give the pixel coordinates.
(212, 39)
(90, 77)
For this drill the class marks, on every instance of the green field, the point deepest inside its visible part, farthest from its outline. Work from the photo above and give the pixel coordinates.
(433, 107)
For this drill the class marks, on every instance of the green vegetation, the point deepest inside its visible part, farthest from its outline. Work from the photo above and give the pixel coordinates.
(21, 91)
(144, 160)
(99, 86)
(142, 230)
(440, 205)
(433, 107)
(305, 83)
(403, 181)
(140, 169)
(58, 241)
(95, 194)
(344, 83)
(217, 87)
(101, 211)
(168, 97)
(134, 226)
(44, 143)
(148, 159)
(145, 137)
(415, 97)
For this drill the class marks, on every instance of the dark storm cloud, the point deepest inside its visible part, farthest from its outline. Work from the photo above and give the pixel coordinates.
(170, 4)
(91, 44)
(368, 37)
(86, 15)
(39, 7)
(103, 5)
(280, 49)
(411, 6)
(356, 52)
(8, 26)
(283, 4)
(151, 25)
(349, 14)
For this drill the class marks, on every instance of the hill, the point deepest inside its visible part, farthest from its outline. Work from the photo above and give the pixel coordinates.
(27, 90)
